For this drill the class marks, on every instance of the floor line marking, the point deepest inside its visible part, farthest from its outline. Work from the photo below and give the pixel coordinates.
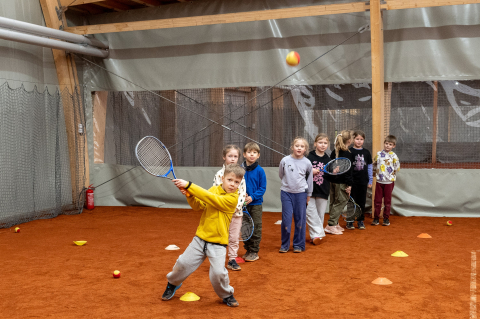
(473, 287)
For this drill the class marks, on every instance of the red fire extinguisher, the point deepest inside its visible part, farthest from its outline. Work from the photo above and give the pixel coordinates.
(90, 202)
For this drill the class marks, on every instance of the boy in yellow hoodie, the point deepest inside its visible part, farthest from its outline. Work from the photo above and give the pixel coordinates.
(218, 205)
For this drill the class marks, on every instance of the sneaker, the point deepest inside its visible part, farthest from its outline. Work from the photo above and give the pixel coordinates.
(386, 222)
(339, 228)
(232, 264)
(246, 255)
(361, 225)
(375, 222)
(350, 225)
(317, 241)
(170, 291)
(252, 257)
(283, 250)
(332, 230)
(297, 249)
(231, 301)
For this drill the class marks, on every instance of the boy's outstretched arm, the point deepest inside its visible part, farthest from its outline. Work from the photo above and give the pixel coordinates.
(220, 202)
(193, 201)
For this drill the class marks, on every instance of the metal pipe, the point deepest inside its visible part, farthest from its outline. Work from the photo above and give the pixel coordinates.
(49, 32)
(50, 43)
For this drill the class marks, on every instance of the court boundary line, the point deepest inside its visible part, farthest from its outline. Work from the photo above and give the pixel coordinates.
(473, 286)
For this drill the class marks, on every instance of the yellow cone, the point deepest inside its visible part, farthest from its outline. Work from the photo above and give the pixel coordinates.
(382, 281)
(424, 235)
(189, 296)
(399, 254)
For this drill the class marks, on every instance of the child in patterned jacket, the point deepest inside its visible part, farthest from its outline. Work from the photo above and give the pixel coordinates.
(386, 165)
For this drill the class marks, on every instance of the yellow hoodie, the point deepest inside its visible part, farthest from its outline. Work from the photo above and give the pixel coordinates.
(218, 207)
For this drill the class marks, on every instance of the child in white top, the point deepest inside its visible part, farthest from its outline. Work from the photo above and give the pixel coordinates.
(231, 154)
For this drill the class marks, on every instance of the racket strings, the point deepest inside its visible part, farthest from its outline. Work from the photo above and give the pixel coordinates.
(246, 231)
(339, 166)
(153, 156)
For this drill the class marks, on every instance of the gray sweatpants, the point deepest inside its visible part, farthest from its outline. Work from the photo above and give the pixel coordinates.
(194, 256)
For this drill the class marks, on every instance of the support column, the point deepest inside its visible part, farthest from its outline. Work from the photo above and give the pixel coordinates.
(378, 91)
(99, 121)
(217, 96)
(67, 79)
(168, 123)
(277, 124)
(435, 123)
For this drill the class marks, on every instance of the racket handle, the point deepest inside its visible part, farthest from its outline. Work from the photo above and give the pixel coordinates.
(186, 192)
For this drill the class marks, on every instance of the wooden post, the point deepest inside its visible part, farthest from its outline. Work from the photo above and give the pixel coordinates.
(99, 120)
(277, 124)
(168, 123)
(67, 79)
(435, 123)
(217, 96)
(378, 97)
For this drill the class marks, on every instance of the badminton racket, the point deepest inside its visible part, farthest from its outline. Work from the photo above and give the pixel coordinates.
(155, 158)
(351, 210)
(246, 231)
(337, 166)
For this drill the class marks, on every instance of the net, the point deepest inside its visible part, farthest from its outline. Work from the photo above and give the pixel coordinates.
(43, 154)
(437, 124)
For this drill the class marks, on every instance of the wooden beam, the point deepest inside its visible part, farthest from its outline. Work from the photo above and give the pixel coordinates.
(117, 6)
(411, 4)
(216, 139)
(296, 12)
(148, 3)
(222, 18)
(277, 124)
(169, 122)
(378, 97)
(99, 121)
(435, 123)
(67, 79)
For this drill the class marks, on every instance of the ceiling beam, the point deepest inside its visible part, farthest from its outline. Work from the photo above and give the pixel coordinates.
(113, 5)
(250, 16)
(149, 3)
(222, 18)
(71, 3)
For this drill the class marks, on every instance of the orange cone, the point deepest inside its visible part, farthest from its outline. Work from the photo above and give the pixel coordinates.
(382, 281)
(424, 235)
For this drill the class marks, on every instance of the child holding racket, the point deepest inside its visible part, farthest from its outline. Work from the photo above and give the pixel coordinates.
(362, 176)
(231, 154)
(256, 187)
(386, 165)
(218, 204)
(296, 174)
(321, 189)
(340, 185)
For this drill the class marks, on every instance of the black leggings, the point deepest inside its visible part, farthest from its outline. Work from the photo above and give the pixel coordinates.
(359, 195)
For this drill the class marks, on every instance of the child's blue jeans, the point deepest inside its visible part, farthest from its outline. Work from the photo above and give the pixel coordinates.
(294, 205)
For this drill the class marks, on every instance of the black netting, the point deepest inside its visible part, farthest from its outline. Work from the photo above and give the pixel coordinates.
(42, 167)
(196, 124)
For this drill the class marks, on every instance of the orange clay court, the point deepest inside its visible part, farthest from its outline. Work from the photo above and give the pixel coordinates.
(44, 275)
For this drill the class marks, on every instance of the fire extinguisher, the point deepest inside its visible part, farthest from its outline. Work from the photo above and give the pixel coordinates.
(90, 202)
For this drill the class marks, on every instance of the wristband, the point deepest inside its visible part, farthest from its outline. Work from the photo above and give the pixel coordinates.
(189, 184)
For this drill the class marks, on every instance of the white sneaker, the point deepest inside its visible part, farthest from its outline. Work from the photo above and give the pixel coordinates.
(339, 228)
(333, 230)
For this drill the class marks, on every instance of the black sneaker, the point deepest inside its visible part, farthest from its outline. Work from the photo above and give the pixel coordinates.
(375, 222)
(170, 291)
(232, 264)
(297, 249)
(386, 222)
(231, 301)
(350, 225)
(360, 225)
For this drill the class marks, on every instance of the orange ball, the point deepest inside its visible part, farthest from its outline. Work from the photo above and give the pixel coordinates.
(293, 58)
(17, 229)
(116, 274)
(449, 223)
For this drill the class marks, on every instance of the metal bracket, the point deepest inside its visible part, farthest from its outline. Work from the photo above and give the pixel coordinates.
(381, 2)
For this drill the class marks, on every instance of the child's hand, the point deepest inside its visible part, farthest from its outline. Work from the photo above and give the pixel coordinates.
(348, 190)
(369, 186)
(308, 199)
(336, 170)
(180, 183)
(315, 171)
(248, 200)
